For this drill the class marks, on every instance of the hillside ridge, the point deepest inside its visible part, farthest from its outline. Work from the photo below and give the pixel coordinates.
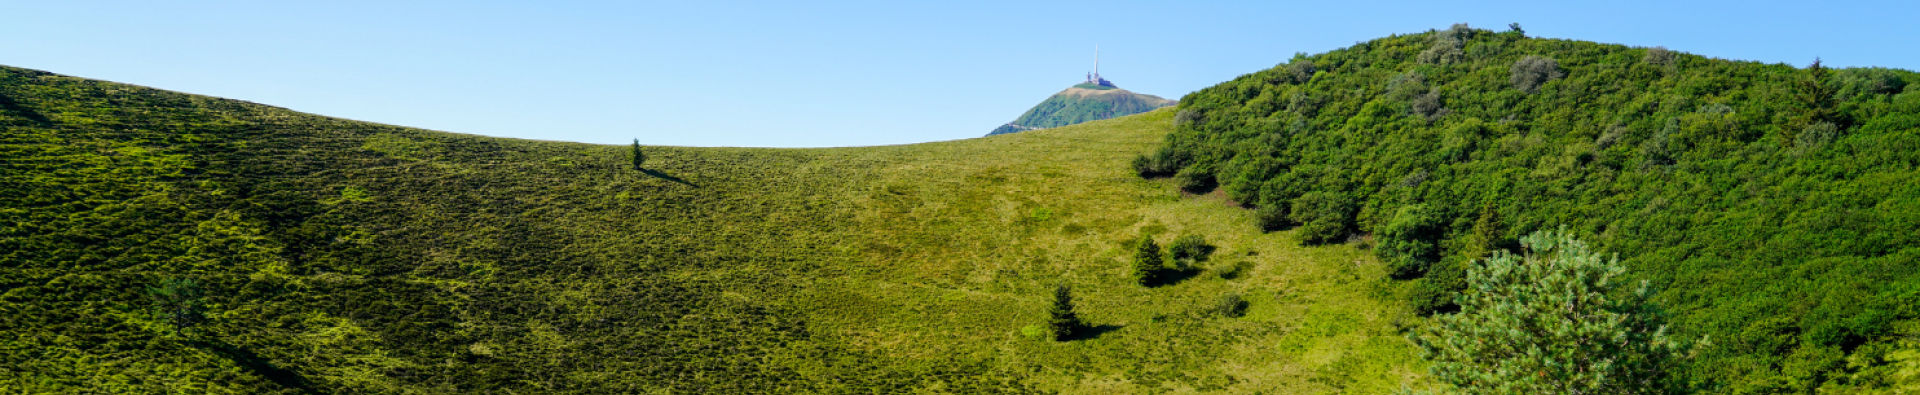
(1082, 103)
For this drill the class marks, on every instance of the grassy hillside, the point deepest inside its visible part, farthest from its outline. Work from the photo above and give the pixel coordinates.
(1082, 103)
(1772, 206)
(347, 257)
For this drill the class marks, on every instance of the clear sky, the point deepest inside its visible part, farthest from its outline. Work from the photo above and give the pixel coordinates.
(817, 74)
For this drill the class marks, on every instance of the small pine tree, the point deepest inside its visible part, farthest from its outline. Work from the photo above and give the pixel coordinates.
(181, 302)
(1147, 261)
(638, 157)
(1064, 321)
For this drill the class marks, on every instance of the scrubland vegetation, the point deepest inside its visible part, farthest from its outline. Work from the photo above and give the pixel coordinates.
(1770, 207)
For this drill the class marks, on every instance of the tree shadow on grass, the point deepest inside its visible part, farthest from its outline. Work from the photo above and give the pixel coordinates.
(7, 103)
(1090, 332)
(1172, 276)
(257, 364)
(669, 177)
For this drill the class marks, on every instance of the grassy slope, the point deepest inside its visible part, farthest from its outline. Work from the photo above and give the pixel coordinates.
(348, 257)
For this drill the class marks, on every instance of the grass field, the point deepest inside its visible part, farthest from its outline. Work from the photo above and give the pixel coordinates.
(348, 257)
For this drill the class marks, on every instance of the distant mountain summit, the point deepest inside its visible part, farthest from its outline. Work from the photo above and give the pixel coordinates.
(1092, 100)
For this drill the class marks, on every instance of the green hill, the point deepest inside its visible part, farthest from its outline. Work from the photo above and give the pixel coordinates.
(349, 257)
(1773, 207)
(1082, 103)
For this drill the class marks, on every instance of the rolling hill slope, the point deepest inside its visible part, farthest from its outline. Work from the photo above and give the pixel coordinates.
(1770, 205)
(348, 257)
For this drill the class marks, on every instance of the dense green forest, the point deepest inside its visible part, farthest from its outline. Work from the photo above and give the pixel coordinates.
(1082, 103)
(1773, 208)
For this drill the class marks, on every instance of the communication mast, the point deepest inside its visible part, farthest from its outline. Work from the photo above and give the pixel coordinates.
(1094, 77)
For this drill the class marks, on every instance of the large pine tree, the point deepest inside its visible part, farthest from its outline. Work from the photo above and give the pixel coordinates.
(1550, 322)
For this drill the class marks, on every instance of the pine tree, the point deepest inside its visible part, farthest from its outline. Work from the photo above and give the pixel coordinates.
(1147, 261)
(1549, 322)
(1816, 99)
(638, 158)
(1064, 321)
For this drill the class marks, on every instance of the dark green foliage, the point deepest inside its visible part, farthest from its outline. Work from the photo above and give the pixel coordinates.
(1816, 96)
(181, 302)
(1195, 180)
(1410, 240)
(1324, 217)
(1270, 217)
(1148, 263)
(1714, 179)
(1231, 306)
(638, 156)
(1161, 163)
(1554, 319)
(1063, 320)
(1443, 281)
(1189, 249)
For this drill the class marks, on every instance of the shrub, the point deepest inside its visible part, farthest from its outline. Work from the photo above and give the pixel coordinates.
(1195, 180)
(1189, 249)
(1428, 106)
(1187, 117)
(1324, 217)
(1300, 72)
(1547, 321)
(1271, 217)
(1235, 271)
(1147, 261)
(1162, 163)
(1435, 292)
(1443, 52)
(1814, 137)
(1064, 321)
(1231, 306)
(1659, 56)
(1532, 71)
(1408, 240)
(1869, 81)
(1302, 104)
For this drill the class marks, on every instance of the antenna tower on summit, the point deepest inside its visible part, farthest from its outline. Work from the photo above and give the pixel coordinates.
(1094, 78)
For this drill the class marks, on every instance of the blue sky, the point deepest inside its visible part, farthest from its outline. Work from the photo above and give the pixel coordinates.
(718, 73)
